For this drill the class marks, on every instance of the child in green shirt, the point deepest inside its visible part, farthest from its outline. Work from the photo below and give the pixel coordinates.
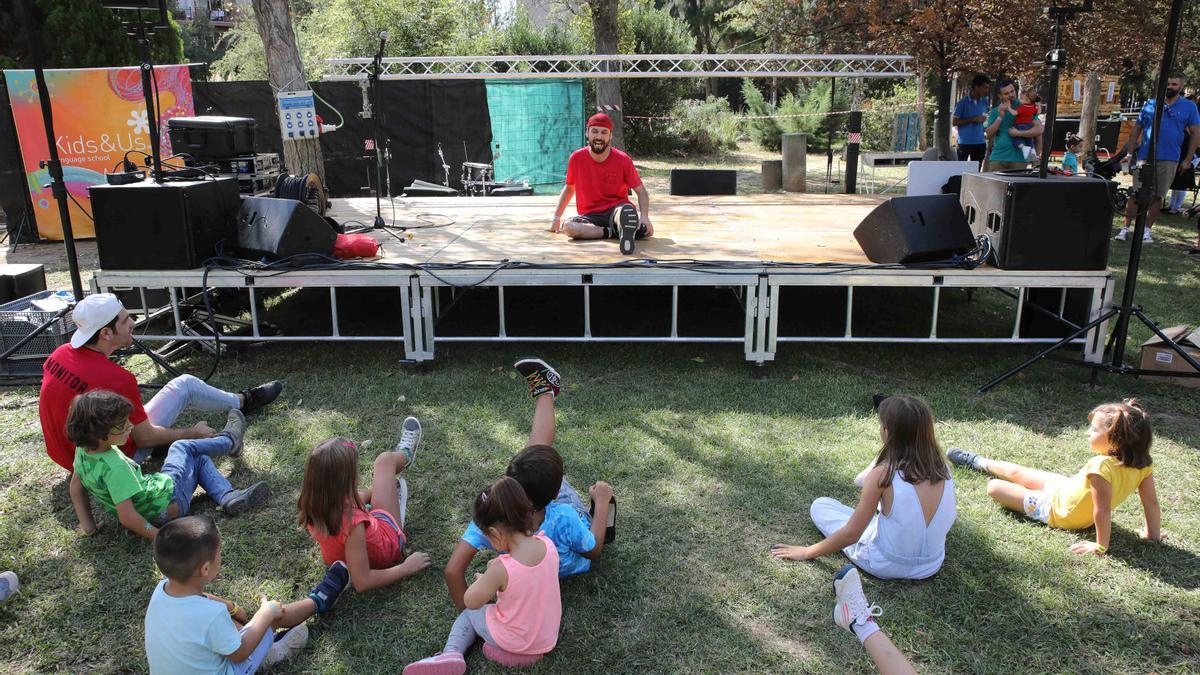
(98, 424)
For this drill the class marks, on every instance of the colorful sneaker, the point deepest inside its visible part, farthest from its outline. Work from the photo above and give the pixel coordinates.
(410, 438)
(235, 428)
(1122, 234)
(961, 457)
(287, 644)
(9, 585)
(329, 591)
(851, 607)
(442, 663)
(256, 397)
(241, 501)
(539, 376)
(627, 227)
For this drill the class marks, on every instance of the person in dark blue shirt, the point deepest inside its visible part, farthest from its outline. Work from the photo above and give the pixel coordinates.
(1180, 120)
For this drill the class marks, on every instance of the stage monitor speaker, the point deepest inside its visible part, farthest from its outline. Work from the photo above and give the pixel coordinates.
(162, 226)
(915, 229)
(1052, 223)
(280, 228)
(698, 182)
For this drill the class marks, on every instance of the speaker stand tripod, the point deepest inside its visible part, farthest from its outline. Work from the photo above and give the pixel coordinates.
(1127, 309)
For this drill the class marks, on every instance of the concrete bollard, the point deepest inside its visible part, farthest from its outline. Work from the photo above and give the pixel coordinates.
(772, 175)
(795, 151)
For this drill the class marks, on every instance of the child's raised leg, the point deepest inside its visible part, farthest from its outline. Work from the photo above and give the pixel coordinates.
(541, 379)
(385, 489)
(542, 432)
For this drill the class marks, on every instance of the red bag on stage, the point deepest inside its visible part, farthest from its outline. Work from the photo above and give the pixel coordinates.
(355, 246)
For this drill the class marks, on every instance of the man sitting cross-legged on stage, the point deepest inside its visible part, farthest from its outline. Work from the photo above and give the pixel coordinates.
(102, 327)
(600, 176)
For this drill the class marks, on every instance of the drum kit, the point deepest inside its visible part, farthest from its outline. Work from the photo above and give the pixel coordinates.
(478, 180)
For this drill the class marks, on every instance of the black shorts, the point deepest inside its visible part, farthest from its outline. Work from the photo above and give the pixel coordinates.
(607, 220)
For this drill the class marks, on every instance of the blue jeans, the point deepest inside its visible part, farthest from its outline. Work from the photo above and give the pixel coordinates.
(1177, 197)
(567, 495)
(252, 662)
(189, 463)
(185, 391)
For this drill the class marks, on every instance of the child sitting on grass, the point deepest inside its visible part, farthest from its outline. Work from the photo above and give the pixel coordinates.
(558, 510)
(333, 509)
(907, 505)
(525, 618)
(98, 424)
(190, 631)
(1120, 436)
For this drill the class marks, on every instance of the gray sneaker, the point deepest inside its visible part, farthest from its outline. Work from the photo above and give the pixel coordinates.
(241, 501)
(9, 585)
(963, 458)
(287, 645)
(235, 428)
(410, 439)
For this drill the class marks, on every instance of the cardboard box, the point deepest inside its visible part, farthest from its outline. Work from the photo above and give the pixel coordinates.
(1158, 356)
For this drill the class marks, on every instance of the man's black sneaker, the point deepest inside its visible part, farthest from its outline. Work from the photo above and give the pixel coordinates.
(539, 377)
(329, 591)
(256, 397)
(241, 501)
(627, 224)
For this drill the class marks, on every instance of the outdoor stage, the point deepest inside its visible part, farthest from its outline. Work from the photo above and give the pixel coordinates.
(778, 267)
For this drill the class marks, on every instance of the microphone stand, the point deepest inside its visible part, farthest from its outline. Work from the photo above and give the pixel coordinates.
(374, 78)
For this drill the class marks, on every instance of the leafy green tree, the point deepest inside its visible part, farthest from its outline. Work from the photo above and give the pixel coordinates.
(653, 31)
(85, 34)
(201, 43)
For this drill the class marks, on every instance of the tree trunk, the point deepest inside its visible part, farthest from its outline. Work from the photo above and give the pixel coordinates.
(608, 90)
(923, 140)
(1088, 111)
(286, 73)
(941, 127)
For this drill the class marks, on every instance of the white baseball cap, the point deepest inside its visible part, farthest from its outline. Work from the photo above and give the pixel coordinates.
(93, 313)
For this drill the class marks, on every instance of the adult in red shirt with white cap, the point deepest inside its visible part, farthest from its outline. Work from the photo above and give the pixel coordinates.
(600, 176)
(102, 327)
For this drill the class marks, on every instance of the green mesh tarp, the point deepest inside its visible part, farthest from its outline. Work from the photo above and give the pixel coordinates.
(537, 124)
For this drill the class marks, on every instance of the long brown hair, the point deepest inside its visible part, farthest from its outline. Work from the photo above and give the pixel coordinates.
(504, 503)
(910, 447)
(330, 485)
(1127, 428)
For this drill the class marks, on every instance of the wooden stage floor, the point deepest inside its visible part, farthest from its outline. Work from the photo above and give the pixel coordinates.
(785, 227)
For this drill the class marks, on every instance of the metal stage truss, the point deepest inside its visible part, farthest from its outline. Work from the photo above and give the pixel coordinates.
(622, 66)
(424, 295)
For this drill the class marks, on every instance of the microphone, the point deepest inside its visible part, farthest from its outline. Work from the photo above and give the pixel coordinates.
(383, 36)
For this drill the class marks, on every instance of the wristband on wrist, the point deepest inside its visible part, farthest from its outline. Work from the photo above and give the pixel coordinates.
(1101, 549)
(234, 609)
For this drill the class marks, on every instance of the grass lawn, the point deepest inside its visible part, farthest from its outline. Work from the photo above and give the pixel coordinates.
(711, 465)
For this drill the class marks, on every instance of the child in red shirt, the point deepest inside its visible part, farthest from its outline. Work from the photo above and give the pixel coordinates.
(333, 510)
(1030, 148)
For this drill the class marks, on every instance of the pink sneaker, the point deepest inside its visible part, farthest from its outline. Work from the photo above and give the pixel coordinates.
(508, 659)
(442, 663)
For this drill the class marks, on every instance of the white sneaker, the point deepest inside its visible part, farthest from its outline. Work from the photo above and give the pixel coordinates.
(9, 585)
(1122, 234)
(852, 606)
(287, 646)
(1146, 237)
(410, 440)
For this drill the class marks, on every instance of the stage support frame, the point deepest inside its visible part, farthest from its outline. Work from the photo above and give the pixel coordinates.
(427, 295)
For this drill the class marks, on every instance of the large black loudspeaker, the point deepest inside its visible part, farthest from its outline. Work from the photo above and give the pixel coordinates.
(169, 226)
(1052, 223)
(915, 229)
(697, 182)
(278, 228)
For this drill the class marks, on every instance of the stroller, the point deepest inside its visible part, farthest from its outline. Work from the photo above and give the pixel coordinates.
(1108, 170)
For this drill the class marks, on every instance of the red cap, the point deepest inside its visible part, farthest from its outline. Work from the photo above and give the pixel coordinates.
(600, 120)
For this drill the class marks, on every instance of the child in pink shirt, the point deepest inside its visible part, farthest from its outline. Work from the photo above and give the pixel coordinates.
(525, 618)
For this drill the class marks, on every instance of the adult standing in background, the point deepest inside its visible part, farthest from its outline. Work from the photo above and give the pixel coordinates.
(969, 114)
(999, 128)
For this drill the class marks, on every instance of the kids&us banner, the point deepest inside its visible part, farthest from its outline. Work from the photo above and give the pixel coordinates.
(99, 118)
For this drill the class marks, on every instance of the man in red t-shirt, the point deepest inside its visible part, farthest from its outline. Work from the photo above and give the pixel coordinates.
(102, 327)
(600, 176)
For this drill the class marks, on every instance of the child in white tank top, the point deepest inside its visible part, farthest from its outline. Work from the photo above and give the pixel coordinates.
(898, 528)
